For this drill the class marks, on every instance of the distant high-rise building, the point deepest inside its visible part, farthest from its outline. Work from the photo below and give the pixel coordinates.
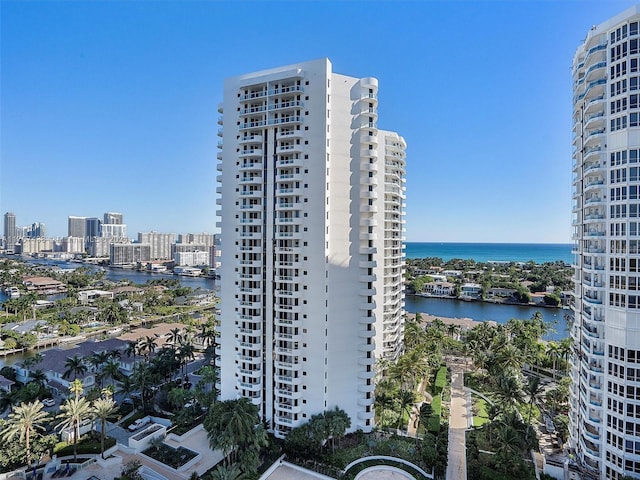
(206, 239)
(109, 230)
(36, 230)
(604, 416)
(92, 228)
(160, 244)
(77, 227)
(129, 253)
(10, 233)
(312, 225)
(114, 218)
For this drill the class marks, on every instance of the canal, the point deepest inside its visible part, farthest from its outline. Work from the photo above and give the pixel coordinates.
(483, 311)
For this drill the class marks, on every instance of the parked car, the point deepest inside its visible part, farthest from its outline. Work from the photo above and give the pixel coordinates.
(141, 422)
(49, 402)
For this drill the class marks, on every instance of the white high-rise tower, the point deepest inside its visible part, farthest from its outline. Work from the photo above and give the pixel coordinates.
(605, 392)
(312, 207)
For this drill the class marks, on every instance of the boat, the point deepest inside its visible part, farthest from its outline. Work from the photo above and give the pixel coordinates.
(13, 292)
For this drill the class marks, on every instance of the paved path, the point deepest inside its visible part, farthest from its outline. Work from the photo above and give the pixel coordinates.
(458, 423)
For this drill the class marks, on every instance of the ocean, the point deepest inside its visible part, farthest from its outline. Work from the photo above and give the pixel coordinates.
(487, 252)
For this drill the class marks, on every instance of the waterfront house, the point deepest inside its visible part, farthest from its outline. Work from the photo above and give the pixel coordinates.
(471, 290)
(89, 296)
(501, 292)
(54, 360)
(439, 289)
(43, 285)
(5, 384)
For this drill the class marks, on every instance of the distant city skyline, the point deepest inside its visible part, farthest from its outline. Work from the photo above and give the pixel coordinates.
(112, 106)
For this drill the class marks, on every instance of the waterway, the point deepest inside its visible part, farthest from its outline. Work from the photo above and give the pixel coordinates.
(483, 311)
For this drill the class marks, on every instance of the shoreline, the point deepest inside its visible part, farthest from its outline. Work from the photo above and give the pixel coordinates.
(492, 301)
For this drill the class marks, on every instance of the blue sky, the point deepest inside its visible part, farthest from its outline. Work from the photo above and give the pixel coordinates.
(111, 106)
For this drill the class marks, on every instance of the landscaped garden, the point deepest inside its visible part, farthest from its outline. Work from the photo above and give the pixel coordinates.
(173, 457)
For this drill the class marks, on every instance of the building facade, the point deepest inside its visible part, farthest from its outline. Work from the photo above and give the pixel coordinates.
(160, 244)
(605, 392)
(312, 221)
(192, 259)
(77, 227)
(129, 253)
(10, 231)
(113, 218)
(206, 239)
(113, 230)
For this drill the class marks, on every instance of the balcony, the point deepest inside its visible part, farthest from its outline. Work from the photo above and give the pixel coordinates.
(289, 148)
(289, 177)
(250, 166)
(251, 139)
(289, 162)
(366, 166)
(595, 104)
(252, 95)
(285, 120)
(594, 137)
(595, 120)
(293, 133)
(368, 139)
(286, 105)
(592, 301)
(252, 110)
(250, 152)
(286, 89)
(254, 124)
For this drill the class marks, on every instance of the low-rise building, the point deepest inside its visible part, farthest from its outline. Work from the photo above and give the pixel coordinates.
(471, 290)
(501, 292)
(89, 296)
(53, 364)
(190, 259)
(440, 289)
(43, 285)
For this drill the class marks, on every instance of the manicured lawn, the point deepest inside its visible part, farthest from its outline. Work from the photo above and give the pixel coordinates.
(480, 416)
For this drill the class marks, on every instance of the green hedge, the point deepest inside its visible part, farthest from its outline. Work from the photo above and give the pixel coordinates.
(441, 380)
(433, 424)
(436, 405)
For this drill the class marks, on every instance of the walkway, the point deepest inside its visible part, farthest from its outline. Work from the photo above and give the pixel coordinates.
(458, 424)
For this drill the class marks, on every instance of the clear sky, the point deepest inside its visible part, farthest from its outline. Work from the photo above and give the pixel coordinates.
(111, 106)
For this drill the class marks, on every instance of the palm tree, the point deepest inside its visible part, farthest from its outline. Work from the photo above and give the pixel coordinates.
(132, 349)
(74, 365)
(25, 420)
(509, 390)
(453, 330)
(72, 412)
(533, 389)
(113, 313)
(38, 377)
(148, 345)
(222, 472)
(76, 388)
(406, 399)
(174, 337)
(233, 426)
(383, 401)
(125, 386)
(143, 379)
(565, 349)
(103, 408)
(187, 351)
(111, 370)
(510, 357)
(31, 361)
